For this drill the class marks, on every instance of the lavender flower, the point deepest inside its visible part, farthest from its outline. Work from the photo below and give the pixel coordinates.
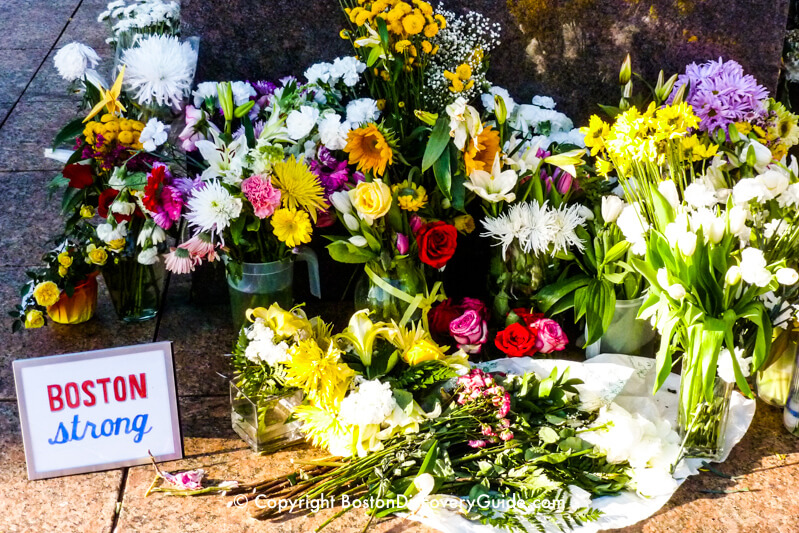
(721, 94)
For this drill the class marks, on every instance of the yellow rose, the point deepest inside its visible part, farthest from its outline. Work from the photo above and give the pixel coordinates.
(46, 293)
(87, 211)
(62, 271)
(64, 259)
(34, 319)
(422, 350)
(97, 256)
(116, 244)
(372, 200)
(464, 223)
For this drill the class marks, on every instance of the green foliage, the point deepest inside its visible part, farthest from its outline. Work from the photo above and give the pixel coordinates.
(423, 376)
(256, 380)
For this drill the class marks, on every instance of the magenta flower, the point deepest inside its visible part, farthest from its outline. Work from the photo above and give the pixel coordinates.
(416, 222)
(261, 194)
(171, 206)
(403, 244)
(551, 337)
(470, 331)
(191, 480)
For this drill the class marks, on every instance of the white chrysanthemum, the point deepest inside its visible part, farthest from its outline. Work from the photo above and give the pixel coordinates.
(790, 197)
(262, 346)
(212, 207)
(499, 229)
(300, 122)
(318, 73)
(361, 111)
(347, 69)
(534, 225)
(160, 70)
(73, 60)
(565, 221)
(153, 135)
(372, 403)
(333, 132)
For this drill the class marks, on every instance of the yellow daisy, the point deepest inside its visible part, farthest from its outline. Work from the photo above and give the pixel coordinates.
(410, 197)
(291, 227)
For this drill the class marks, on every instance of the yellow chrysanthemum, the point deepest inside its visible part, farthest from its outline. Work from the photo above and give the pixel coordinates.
(744, 128)
(427, 47)
(402, 45)
(464, 71)
(413, 23)
(299, 187)
(323, 429)
(322, 374)
(431, 30)
(368, 148)
(46, 293)
(291, 226)
(410, 196)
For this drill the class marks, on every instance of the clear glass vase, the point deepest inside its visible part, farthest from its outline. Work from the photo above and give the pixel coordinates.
(774, 380)
(135, 289)
(626, 334)
(265, 424)
(406, 279)
(790, 412)
(77, 308)
(702, 423)
(262, 284)
(515, 278)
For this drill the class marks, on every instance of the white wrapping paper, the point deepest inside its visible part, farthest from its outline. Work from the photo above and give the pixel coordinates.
(627, 380)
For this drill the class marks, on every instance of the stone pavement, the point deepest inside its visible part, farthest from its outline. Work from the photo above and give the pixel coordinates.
(33, 103)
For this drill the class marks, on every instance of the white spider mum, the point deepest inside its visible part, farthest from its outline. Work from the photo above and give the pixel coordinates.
(212, 207)
(160, 69)
(566, 220)
(537, 226)
(73, 60)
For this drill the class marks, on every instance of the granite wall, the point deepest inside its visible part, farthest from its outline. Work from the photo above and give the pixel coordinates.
(569, 49)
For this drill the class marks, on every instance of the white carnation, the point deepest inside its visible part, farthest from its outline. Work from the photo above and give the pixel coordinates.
(347, 69)
(300, 122)
(242, 92)
(333, 132)
(153, 135)
(361, 111)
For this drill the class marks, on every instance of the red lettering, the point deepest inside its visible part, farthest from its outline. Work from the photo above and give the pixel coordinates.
(120, 393)
(86, 386)
(104, 382)
(139, 386)
(71, 389)
(54, 395)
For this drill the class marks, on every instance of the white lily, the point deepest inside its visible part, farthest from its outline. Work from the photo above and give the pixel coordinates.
(225, 161)
(464, 122)
(494, 186)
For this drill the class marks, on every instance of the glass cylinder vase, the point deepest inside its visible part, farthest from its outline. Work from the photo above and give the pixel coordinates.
(77, 308)
(265, 423)
(702, 423)
(387, 290)
(135, 289)
(626, 334)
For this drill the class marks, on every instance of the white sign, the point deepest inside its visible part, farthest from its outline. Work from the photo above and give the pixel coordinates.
(92, 411)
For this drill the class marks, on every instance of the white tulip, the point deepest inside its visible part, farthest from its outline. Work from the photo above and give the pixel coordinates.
(716, 231)
(358, 240)
(611, 208)
(341, 201)
(687, 243)
(351, 222)
(753, 267)
(737, 218)
(663, 277)
(762, 155)
(676, 291)
(787, 276)
(733, 276)
(699, 195)
(669, 190)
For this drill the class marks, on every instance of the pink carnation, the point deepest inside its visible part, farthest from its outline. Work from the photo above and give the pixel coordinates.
(263, 197)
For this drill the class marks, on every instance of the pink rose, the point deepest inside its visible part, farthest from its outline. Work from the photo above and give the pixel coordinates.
(550, 336)
(475, 304)
(261, 194)
(470, 331)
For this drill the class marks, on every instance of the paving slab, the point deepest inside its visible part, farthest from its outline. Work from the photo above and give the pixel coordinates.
(18, 68)
(102, 331)
(72, 504)
(29, 129)
(84, 27)
(211, 445)
(33, 23)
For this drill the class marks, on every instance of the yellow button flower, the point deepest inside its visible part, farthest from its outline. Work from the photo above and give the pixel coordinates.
(46, 293)
(34, 319)
(413, 24)
(372, 200)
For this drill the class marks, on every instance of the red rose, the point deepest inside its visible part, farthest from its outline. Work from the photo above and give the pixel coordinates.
(437, 242)
(517, 340)
(440, 317)
(104, 203)
(526, 316)
(79, 176)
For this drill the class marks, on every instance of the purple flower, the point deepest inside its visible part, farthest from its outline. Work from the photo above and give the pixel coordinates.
(186, 186)
(720, 94)
(263, 87)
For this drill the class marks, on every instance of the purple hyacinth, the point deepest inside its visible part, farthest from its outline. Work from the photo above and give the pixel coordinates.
(721, 94)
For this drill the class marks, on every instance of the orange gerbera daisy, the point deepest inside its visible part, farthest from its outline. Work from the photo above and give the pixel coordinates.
(481, 157)
(369, 148)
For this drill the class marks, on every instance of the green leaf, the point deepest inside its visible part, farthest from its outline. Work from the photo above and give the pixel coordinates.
(548, 435)
(374, 55)
(237, 228)
(549, 295)
(67, 134)
(616, 251)
(664, 212)
(346, 252)
(439, 139)
(254, 224)
(442, 172)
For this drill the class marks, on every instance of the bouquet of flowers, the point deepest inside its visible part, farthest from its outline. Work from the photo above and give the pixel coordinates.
(65, 287)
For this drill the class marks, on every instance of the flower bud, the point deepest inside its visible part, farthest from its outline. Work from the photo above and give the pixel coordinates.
(351, 222)
(243, 109)
(426, 117)
(679, 96)
(403, 244)
(500, 110)
(676, 291)
(687, 243)
(733, 276)
(341, 201)
(716, 231)
(787, 276)
(626, 71)
(611, 208)
(358, 240)
(737, 219)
